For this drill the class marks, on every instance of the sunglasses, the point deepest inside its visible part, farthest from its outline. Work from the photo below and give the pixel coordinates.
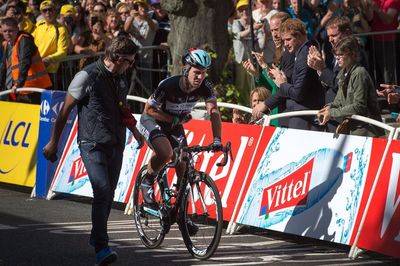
(130, 62)
(124, 13)
(47, 10)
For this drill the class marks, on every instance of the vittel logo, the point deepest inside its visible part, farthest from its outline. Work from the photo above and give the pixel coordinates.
(288, 192)
(45, 107)
(78, 170)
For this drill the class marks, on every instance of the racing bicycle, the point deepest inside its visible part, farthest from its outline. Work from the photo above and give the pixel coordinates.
(195, 200)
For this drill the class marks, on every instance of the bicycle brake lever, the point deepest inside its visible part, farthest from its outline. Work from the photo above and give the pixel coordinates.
(225, 150)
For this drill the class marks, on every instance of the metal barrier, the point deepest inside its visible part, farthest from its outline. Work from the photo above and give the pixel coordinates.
(161, 58)
(384, 59)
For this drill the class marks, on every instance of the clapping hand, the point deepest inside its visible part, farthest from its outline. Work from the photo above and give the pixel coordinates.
(260, 59)
(277, 75)
(315, 59)
(249, 67)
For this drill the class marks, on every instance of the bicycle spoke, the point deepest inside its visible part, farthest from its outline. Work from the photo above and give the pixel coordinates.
(203, 208)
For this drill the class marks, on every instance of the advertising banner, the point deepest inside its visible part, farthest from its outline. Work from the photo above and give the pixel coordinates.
(309, 184)
(19, 127)
(246, 146)
(71, 176)
(51, 104)
(381, 229)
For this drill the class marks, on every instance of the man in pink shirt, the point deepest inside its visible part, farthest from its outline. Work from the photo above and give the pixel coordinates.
(383, 17)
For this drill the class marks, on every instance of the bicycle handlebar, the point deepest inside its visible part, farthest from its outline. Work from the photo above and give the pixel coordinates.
(197, 148)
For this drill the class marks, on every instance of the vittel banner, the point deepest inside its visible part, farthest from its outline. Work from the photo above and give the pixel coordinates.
(308, 183)
(246, 147)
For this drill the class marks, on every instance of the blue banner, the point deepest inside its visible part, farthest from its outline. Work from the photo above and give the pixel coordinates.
(51, 104)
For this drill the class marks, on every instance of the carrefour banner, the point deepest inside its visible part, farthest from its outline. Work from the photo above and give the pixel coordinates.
(309, 184)
(71, 176)
(19, 126)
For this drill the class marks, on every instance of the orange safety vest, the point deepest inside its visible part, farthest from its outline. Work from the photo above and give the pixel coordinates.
(37, 76)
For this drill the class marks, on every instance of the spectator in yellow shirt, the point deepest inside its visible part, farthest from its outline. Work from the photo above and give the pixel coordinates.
(51, 38)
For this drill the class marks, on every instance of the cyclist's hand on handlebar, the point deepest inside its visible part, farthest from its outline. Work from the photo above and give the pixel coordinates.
(217, 144)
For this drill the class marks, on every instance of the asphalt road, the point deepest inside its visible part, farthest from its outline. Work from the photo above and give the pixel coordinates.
(56, 232)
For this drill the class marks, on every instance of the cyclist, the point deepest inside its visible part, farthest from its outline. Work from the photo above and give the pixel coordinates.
(167, 109)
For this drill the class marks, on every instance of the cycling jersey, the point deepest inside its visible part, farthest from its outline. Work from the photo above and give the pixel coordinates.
(171, 99)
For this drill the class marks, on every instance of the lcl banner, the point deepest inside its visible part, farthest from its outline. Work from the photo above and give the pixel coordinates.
(19, 127)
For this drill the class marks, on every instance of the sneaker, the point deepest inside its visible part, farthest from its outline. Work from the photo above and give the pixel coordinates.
(148, 193)
(192, 228)
(105, 257)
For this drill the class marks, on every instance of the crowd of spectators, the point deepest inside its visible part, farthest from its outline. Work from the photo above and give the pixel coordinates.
(325, 23)
(64, 27)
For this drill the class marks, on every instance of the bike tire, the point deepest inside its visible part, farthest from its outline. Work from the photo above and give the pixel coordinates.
(149, 227)
(205, 242)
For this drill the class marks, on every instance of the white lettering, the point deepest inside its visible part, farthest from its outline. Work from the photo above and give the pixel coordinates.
(391, 202)
(271, 197)
(278, 195)
(234, 170)
(283, 193)
(305, 183)
(215, 167)
(297, 187)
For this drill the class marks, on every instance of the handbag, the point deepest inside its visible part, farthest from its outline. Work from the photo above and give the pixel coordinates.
(344, 127)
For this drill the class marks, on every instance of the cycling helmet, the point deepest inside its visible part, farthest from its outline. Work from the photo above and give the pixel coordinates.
(197, 58)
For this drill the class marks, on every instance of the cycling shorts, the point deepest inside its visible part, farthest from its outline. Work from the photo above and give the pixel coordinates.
(152, 129)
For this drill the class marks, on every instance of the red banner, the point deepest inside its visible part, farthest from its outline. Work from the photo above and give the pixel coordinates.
(381, 229)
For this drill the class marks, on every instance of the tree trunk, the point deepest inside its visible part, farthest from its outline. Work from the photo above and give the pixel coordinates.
(202, 24)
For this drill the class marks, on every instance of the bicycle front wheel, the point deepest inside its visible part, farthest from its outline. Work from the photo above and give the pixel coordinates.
(149, 226)
(200, 218)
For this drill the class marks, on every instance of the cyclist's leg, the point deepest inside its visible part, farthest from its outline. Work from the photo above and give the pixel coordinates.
(179, 133)
(162, 152)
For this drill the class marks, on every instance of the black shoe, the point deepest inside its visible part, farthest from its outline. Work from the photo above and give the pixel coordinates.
(148, 193)
(105, 257)
(192, 228)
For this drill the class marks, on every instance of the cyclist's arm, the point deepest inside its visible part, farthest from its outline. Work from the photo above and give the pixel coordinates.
(215, 117)
(157, 114)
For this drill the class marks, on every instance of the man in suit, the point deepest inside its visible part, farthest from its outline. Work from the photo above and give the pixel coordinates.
(327, 67)
(337, 28)
(304, 92)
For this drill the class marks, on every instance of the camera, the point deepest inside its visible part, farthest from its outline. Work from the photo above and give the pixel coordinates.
(94, 20)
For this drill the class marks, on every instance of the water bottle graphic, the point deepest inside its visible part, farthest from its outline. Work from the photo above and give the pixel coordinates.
(278, 194)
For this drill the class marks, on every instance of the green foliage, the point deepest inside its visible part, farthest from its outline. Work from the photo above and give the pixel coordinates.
(226, 90)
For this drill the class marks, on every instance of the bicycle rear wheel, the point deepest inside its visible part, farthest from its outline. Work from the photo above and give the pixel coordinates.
(149, 226)
(201, 203)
